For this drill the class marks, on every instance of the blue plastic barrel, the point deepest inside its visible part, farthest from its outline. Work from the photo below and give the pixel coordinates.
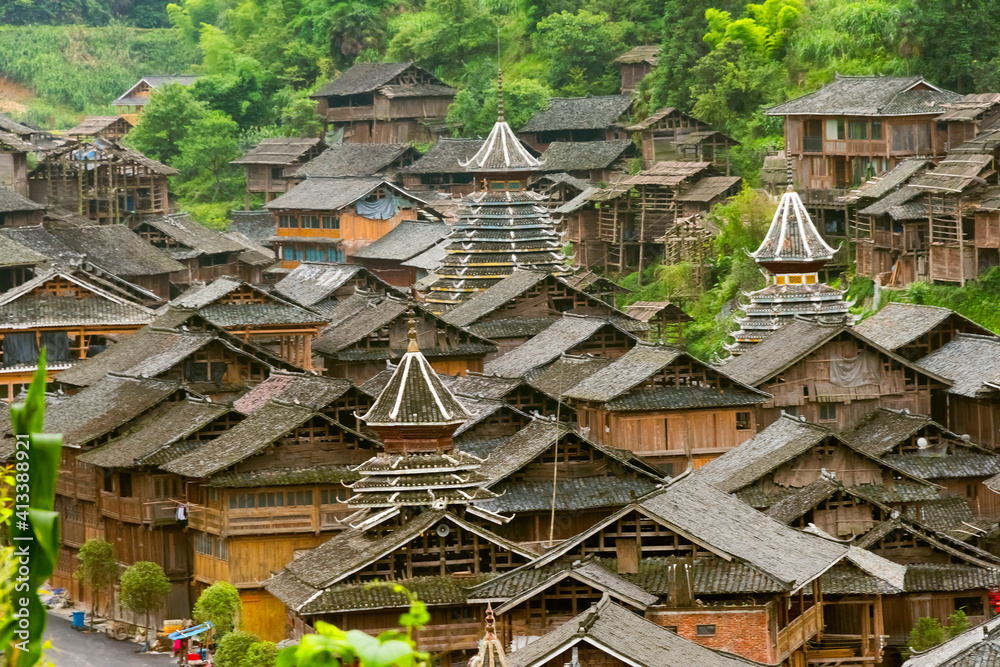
(78, 620)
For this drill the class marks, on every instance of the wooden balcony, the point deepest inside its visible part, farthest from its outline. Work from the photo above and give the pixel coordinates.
(346, 114)
(799, 631)
(74, 533)
(123, 509)
(887, 239)
(269, 520)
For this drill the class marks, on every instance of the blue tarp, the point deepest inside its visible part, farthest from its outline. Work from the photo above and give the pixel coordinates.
(191, 632)
(380, 209)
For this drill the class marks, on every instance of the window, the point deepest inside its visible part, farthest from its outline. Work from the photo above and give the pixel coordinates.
(876, 129)
(109, 481)
(514, 185)
(309, 222)
(790, 411)
(125, 485)
(857, 129)
(834, 129)
(331, 222)
(828, 412)
(795, 280)
(497, 185)
(742, 421)
(973, 606)
(287, 221)
(671, 628)
(277, 173)
(705, 630)
(805, 391)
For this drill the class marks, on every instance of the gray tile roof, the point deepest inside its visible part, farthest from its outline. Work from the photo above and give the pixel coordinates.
(353, 160)
(404, 241)
(712, 576)
(253, 253)
(584, 155)
(21, 309)
(311, 282)
(10, 202)
(485, 302)
(893, 200)
(192, 234)
(971, 362)
(792, 235)
(580, 113)
(178, 422)
(316, 474)
(325, 194)
(312, 391)
(117, 249)
(640, 54)
(898, 324)
(547, 346)
(368, 77)
(636, 366)
(279, 150)
(620, 632)
(796, 504)
(559, 377)
(258, 226)
(972, 464)
(891, 180)
(572, 495)
(882, 429)
(209, 301)
(13, 253)
(976, 647)
(511, 327)
(446, 157)
(868, 96)
(40, 240)
(956, 173)
(432, 591)
(968, 107)
(684, 398)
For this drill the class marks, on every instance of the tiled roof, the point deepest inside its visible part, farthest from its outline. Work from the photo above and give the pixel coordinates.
(310, 283)
(485, 302)
(566, 372)
(955, 173)
(621, 633)
(209, 301)
(511, 327)
(258, 226)
(316, 474)
(117, 249)
(972, 464)
(13, 253)
(10, 201)
(894, 199)
(970, 361)
(636, 366)
(882, 429)
(349, 160)
(447, 156)
(279, 150)
(406, 240)
(325, 194)
(580, 113)
(502, 151)
(313, 391)
(976, 647)
(868, 96)
(898, 324)
(584, 155)
(192, 234)
(368, 77)
(712, 576)
(12, 141)
(640, 54)
(572, 495)
(440, 590)
(792, 235)
(683, 398)
(890, 181)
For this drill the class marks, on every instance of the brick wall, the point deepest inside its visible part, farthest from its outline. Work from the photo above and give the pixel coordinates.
(744, 631)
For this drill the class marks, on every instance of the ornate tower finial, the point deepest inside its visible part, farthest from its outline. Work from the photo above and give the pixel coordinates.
(412, 333)
(499, 95)
(491, 623)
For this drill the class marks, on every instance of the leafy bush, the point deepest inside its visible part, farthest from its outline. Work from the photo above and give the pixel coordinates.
(220, 603)
(143, 590)
(233, 648)
(97, 567)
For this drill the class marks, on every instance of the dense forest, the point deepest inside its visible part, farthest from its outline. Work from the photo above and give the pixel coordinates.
(721, 60)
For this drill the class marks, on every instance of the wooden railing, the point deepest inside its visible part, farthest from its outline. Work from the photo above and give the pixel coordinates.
(73, 533)
(270, 520)
(450, 637)
(341, 114)
(887, 239)
(799, 631)
(207, 519)
(123, 509)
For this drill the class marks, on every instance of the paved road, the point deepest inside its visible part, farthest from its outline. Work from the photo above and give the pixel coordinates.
(85, 649)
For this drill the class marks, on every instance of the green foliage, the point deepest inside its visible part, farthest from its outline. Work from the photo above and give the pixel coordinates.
(446, 36)
(35, 529)
(331, 646)
(205, 152)
(165, 122)
(581, 49)
(261, 654)
(958, 622)
(978, 300)
(300, 119)
(219, 603)
(233, 648)
(927, 633)
(743, 222)
(143, 589)
(140, 13)
(475, 108)
(97, 567)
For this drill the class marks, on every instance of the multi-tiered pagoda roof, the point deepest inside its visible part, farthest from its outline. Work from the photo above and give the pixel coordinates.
(501, 226)
(416, 415)
(793, 252)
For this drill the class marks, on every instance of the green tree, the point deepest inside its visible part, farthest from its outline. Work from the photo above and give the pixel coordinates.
(165, 122)
(207, 149)
(958, 623)
(219, 603)
(143, 589)
(927, 633)
(446, 36)
(98, 567)
(233, 648)
(474, 110)
(763, 31)
(300, 119)
(580, 50)
(261, 654)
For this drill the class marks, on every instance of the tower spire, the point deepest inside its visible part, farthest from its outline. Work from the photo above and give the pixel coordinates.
(411, 333)
(500, 95)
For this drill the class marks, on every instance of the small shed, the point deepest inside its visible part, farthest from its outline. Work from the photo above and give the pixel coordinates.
(269, 162)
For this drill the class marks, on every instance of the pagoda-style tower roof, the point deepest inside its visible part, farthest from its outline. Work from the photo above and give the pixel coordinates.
(491, 653)
(502, 152)
(792, 236)
(793, 252)
(417, 415)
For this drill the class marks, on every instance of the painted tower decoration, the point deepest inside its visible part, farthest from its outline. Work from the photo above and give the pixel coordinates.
(417, 416)
(792, 253)
(502, 225)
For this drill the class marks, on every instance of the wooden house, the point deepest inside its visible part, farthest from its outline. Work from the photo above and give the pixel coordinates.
(253, 260)
(666, 406)
(253, 314)
(17, 210)
(103, 181)
(385, 103)
(514, 392)
(112, 128)
(859, 124)
(442, 168)
(571, 334)
(635, 64)
(386, 257)
(559, 187)
(967, 117)
(328, 219)
(572, 119)
(18, 264)
(832, 375)
(524, 304)
(118, 250)
(971, 405)
(14, 163)
(691, 240)
(915, 330)
(321, 286)
(33, 135)
(70, 317)
(269, 163)
(135, 98)
(921, 447)
(596, 285)
(671, 134)
(205, 253)
(597, 161)
(367, 331)
(347, 160)
(715, 545)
